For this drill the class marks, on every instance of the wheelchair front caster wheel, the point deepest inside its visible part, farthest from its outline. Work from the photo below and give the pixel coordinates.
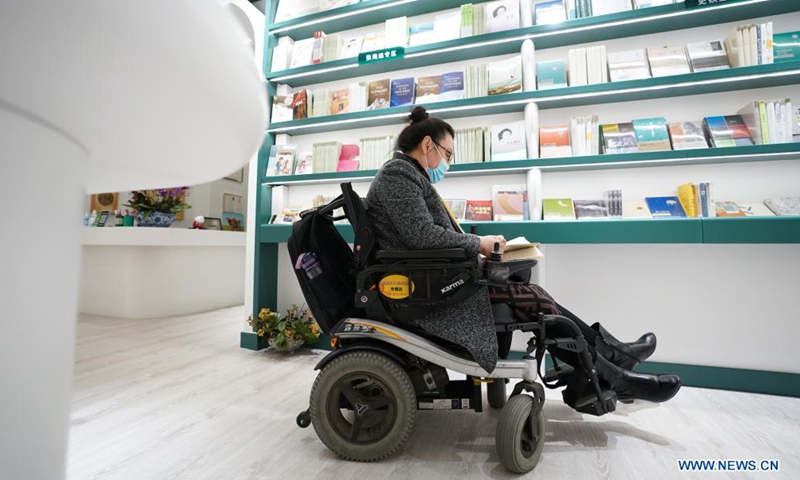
(519, 440)
(496, 393)
(304, 419)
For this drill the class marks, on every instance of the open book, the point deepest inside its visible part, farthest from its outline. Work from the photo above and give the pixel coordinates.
(521, 248)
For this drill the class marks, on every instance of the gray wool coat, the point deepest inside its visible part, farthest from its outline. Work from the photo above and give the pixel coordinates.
(407, 214)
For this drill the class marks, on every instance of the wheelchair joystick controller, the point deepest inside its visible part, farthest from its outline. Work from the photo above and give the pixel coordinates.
(496, 256)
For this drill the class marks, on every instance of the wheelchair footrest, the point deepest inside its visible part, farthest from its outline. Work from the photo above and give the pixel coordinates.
(553, 374)
(588, 402)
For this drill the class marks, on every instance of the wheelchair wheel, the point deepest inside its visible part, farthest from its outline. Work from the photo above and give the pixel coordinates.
(496, 393)
(519, 444)
(363, 406)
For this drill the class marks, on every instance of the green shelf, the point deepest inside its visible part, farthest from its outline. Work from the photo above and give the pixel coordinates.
(754, 153)
(617, 231)
(743, 78)
(585, 30)
(752, 230)
(362, 14)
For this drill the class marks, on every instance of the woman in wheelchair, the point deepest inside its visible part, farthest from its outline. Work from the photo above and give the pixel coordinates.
(407, 213)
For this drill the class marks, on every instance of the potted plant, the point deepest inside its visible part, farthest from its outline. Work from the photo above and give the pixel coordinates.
(288, 333)
(157, 208)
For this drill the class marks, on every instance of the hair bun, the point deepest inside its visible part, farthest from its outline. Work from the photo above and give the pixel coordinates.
(418, 114)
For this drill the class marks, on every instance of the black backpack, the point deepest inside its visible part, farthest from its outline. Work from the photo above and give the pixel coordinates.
(325, 265)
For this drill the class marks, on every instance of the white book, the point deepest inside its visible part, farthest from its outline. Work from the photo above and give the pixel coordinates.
(502, 15)
(733, 48)
(282, 54)
(447, 26)
(422, 34)
(746, 46)
(665, 61)
(396, 32)
(772, 122)
(628, 65)
(505, 76)
(743, 52)
(302, 53)
(753, 31)
(582, 55)
(707, 56)
(288, 10)
(373, 42)
(508, 141)
(768, 44)
(603, 64)
(351, 46)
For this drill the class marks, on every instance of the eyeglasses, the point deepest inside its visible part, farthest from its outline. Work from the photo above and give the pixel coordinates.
(450, 154)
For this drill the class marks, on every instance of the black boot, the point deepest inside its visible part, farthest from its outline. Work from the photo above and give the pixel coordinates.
(631, 385)
(625, 355)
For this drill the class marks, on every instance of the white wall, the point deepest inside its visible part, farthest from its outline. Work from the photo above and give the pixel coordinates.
(717, 305)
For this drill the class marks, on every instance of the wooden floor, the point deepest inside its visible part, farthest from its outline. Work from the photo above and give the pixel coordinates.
(176, 398)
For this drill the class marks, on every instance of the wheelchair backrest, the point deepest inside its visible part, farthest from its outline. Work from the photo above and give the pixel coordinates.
(325, 265)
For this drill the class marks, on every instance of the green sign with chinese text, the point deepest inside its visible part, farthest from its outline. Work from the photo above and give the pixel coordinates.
(393, 53)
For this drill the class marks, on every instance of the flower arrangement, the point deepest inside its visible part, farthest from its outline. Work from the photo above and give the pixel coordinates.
(165, 200)
(291, 331)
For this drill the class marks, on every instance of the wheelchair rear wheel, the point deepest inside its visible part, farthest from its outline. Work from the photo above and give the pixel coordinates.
(363, 406)
(519, 441)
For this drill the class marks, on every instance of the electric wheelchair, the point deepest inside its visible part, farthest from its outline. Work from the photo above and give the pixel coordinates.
(382, 368)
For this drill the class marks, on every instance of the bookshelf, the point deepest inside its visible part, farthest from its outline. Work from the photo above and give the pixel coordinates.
(674, 234)
(604, 27)
(744, 78)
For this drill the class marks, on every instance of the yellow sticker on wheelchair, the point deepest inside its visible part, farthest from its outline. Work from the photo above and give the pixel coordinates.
(395, 287)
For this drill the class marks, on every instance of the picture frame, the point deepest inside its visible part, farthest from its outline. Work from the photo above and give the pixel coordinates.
(237, 176)
(104, 202)
(212, 223)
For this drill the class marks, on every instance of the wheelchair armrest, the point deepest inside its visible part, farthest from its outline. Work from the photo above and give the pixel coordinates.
(444, 254)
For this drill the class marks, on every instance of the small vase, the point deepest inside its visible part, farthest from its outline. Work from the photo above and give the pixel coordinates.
(155, 219)
(291, 345)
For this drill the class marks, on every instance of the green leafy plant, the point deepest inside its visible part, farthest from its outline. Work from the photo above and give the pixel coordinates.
(297, 324)
(165, 200)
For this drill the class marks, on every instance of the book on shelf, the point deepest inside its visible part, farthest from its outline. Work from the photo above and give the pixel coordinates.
(479, 19)
(470, 145)
(707, 56)
(590, 209)
(618, 138)
(505, 76)
(551, 11)
(329, 4)
(668, 206)
(605, 7)
(509, 202)
(727, 131)
(332, 47)
(396, 32)
(457, 207)
(466, 20)
(635, 209)
(558, 209)
(452, 86)
(786, 47)
(319, 101)
(351, 46)
(282, 54)
(475, 82)
(402, 92)
(783, 206)
(326, 156)
(552, 74)
(300, 105)
(520, 248)
(428, 89)
(375, 151)
(378, 95)
(502, 15)
(304, 163)
(756, 210)
(554, 141)
(295, 9)
(584, 135)
(628, 65)
(302, 53)
(478, 211)
(284, 161)
(358, 96)
(348, 158)
(373, 41)
(613, 201)
(272, 161)
(340, 101)
(728, 209)
(447, 26)
(769, 121)
(666, 61)
(317, 51)
(651, 134)
(751, 44)
(689, 196)
(288, 215)
(421, 34)
(687, 135)
(282, 110)
(508, 141)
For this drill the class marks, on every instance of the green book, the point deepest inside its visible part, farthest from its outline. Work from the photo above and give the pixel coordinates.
(652, 134)
(786, 47)
(551, 75)
(558, 209)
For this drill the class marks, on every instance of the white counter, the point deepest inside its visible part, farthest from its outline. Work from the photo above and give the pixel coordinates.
(133, 272)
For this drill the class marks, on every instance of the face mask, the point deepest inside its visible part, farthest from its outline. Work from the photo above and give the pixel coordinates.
(437, 174)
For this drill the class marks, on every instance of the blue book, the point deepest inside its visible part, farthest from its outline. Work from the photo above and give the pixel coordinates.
(665, 207)
(273, 160)
(402, 92)
(704, 199)
(551, 75)
(452, 86)
(551, 11)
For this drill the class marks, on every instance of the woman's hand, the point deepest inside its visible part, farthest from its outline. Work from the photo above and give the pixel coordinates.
(488, 241)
